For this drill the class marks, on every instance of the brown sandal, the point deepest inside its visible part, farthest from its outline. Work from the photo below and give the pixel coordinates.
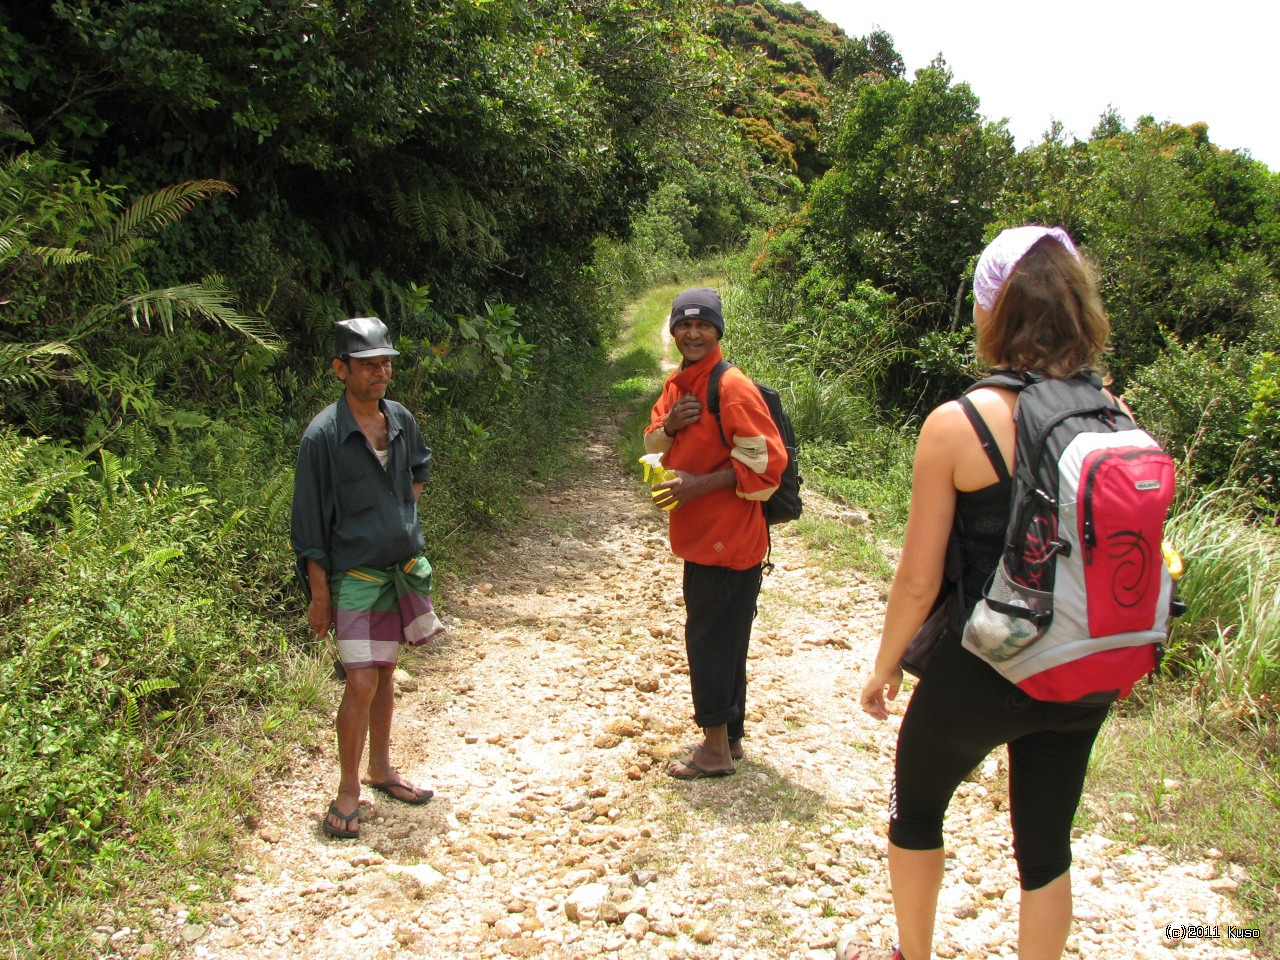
(735, 748)
(698, 772)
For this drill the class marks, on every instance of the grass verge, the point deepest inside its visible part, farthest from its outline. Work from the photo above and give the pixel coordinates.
(1197, 786)
(635, 373)
(174, 847)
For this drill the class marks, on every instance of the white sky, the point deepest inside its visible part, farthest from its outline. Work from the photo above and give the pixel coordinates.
(1033, 62)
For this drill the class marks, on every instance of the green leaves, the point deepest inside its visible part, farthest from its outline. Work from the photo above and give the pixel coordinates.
(110, 649)
(156, 211)
(208, 299)
(73, 288)
(912, 186)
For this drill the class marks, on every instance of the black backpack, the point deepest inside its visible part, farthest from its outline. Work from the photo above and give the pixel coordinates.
(785, 504)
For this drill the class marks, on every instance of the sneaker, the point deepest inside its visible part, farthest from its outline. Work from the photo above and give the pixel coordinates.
(850, 948)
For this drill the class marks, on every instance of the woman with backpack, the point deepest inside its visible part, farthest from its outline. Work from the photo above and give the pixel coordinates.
(1037, 309)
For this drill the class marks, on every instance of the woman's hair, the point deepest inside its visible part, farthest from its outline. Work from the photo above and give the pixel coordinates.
(1048, 316)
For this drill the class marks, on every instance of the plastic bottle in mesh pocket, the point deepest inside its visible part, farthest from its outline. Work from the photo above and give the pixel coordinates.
(999, 635)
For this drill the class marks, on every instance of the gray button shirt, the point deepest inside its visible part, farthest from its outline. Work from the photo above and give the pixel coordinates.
(347, 510)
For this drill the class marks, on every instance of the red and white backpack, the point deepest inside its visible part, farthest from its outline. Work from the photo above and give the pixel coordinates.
(1078, 609)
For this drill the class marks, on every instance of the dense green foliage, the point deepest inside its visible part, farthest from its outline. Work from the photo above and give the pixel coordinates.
(859, 305)
(879, 258)
(1184, 237)
(475, 149)
(190, 194)
(780, 94)
(779, 68)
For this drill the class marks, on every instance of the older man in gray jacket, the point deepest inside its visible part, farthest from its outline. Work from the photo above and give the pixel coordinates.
(361, 467)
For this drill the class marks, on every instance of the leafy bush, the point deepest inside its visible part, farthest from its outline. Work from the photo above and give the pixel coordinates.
(827, 355)
(82, 329)
(699, 214)
(1213, 405)
(135, 630)
(813, 320)
(871, 470)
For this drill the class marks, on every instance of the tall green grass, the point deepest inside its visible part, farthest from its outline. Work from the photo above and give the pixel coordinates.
(143, 688)
(1192, 762)
(1163, 774)
(848, 450)
(1229, 639)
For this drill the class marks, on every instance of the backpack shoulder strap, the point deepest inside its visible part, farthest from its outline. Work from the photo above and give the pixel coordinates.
(713, 395)
(985, 436)
(1007, 380)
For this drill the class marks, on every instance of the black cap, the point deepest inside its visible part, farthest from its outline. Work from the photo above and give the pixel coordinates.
(700, 303)
(362, 337)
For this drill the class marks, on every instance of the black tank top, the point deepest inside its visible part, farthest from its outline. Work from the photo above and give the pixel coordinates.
(983, 514)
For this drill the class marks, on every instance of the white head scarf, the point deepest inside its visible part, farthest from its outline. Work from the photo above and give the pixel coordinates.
(1002, 255)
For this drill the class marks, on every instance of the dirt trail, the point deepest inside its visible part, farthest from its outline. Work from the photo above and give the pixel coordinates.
(545, 722)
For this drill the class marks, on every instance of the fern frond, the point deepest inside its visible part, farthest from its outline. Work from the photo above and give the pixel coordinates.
(180, 419)
(209, 300)
(10, 236)
(120, 255)
(141, 690)
(318, 315)
(28, 479)
(113, 476)
(130, 719)
(61, 256)
(152, 685)
(165, 206)
(158, 558)
(31, 365)
(425, 213)
(277, 498)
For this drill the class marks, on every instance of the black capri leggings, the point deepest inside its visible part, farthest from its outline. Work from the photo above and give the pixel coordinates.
(962, 710)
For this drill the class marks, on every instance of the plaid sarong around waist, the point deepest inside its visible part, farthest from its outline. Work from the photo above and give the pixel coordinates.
(392, 605)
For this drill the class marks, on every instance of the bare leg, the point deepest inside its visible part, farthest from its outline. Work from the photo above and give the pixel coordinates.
(381, 709)
(916, 877)
(380, 772)
(735, 747)
(353, 727)
(1044, 920)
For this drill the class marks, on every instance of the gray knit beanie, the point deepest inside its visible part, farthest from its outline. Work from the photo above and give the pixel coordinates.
(700, 303)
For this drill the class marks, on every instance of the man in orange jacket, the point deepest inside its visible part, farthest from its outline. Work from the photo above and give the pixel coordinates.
(724, 472)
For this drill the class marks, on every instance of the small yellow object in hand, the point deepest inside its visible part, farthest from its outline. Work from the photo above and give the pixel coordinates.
(1172, 559)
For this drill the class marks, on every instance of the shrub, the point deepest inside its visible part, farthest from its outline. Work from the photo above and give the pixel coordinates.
(1211, 403)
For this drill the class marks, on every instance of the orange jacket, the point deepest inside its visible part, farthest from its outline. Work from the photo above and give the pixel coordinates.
(723, 528)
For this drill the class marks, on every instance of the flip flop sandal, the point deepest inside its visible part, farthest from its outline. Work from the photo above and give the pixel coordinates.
(698, 772)
(735, 749)
(344, 832)
(420, 794)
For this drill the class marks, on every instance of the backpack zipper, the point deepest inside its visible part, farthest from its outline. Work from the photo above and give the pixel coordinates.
(1090, 534)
